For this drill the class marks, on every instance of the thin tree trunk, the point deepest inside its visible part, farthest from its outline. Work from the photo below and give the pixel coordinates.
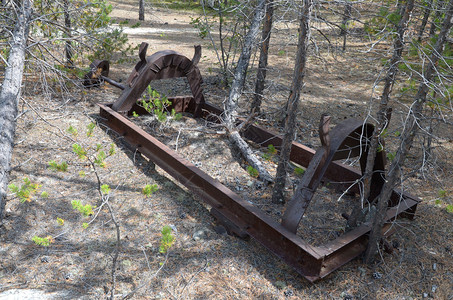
(291, 113)
(264, 52)
(437, 15)
(382, 121)
(346, 18)
(428, 9)
(141, 10)
(407, 137)
(67, 24)
(231, 104)
(10, 95)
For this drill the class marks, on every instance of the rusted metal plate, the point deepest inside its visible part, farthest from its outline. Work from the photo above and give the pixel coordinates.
(311, 262)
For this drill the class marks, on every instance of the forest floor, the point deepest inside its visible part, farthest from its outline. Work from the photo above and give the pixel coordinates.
(205, 263)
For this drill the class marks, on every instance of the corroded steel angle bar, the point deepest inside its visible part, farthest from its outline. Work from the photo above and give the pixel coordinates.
(351, 244)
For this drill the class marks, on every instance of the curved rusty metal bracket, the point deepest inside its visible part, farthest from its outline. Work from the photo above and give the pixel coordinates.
(161, 65)
(347, 140)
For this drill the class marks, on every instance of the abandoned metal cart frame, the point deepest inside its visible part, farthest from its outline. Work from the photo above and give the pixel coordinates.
(346, 140)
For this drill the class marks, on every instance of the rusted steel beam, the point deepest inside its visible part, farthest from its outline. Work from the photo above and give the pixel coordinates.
(312, 262)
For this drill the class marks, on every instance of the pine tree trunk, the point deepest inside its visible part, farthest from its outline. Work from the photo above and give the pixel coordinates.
(437, 15)
(407, 136)
(67, 24)
(141, 10)
(344, 23)
(10, 95)
(426, 14)
(382, 120)
(291, 113)
(264, 53)
(231, 104)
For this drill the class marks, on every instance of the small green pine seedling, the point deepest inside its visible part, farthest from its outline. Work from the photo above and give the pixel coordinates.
(442, 193)
(77, 149)
(270, 152)
(43, 241)
(271, 149)
(449, 208)
(26, 191)
(85, 210)
(252, 171)
(60, 221)
(299, 171)
(61, 167)
(44, 194)
(82, 174)
(85, 225)
(112, 149)
(72, 131)
(149, 189)
(99, 160)
(105, 189)
(167, 239)
(90, 128)
(153, 102)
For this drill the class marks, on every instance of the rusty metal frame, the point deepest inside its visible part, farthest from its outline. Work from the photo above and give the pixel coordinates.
(311, 262)
(238, 215)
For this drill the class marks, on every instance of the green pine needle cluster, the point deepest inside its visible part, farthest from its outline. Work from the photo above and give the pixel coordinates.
(86, 210)
(167, 239)
(25, 191)
(60, 167)
(149, 189)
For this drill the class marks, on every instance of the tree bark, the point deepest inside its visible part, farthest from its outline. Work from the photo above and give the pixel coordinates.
(264, 52)
(141, 10)
(67, 24)
(407, 136)
(437, 15)
(231, 104)
(426, 15)
(344, 23)
(291, 113)
(382, 121)
(10, 95)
